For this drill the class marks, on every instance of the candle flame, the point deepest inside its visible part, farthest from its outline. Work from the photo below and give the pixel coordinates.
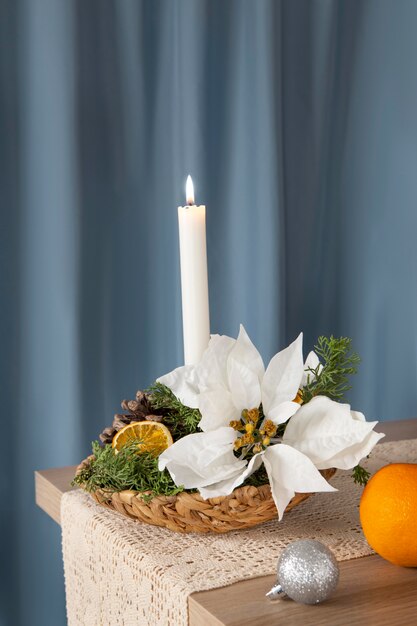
(189, 190)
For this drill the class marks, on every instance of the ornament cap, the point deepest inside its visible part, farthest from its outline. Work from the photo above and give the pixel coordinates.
(276, 593)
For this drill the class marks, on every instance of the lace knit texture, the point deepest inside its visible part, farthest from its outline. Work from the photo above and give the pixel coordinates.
(121, 572)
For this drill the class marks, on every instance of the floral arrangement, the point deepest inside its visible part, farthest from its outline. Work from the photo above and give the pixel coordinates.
(229, 421)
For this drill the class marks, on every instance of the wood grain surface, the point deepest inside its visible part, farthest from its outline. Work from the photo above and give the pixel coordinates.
(49, 486)
(371, 591)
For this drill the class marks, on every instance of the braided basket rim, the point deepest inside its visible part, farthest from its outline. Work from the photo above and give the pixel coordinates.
(188, 512)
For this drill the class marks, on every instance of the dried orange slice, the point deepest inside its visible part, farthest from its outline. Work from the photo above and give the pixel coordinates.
(152, 437)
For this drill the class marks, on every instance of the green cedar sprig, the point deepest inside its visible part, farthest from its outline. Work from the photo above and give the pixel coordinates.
(180, 419)
(360, 475)
(338, 362)
(127, 469)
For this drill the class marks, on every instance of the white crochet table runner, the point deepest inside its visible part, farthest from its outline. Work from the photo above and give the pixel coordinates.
(122, 572)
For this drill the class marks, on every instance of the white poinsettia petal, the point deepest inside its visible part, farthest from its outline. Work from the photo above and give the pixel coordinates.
(312, 362)
(202, 459)
(244, 386)
(225, 487)
(281, 413)
(221, 488)
(289, 472)
(212, 369)
(217, 409)
(322, 429)
(283, 376)
(245, 353)
(184, 384)
(351, 456)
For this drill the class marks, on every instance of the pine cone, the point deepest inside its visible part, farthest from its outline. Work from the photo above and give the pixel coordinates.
(138, 410)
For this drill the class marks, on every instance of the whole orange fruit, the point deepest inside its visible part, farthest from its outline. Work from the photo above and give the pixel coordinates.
(388, 512)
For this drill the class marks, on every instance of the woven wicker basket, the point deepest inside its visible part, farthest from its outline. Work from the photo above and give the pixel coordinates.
(189, 513)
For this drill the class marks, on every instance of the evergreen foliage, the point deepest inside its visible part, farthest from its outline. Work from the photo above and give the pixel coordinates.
(360, 475)
(180, 419)
(111, 472)
(330, 378)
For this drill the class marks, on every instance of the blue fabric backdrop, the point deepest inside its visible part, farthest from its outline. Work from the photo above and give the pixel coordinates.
(297, 120)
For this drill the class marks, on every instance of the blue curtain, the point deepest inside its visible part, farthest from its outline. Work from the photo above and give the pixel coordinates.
(297, 121)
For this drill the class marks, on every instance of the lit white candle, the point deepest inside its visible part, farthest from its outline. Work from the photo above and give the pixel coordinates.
(194, 282)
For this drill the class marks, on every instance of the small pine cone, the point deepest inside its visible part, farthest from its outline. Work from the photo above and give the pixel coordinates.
(107, 435)
(125, 405)
(121, 420)
(134, 406)
(140, 396)
(154, 418)
(139, 407)
(136, 411)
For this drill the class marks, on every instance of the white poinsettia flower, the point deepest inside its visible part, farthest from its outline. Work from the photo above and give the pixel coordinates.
(228, 385)
(231, 377)
(206, 461)
(244, 384)
(330, 434)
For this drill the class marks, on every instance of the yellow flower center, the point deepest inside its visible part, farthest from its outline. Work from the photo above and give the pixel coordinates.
(252, 415)
(249, 432)
(269, 428)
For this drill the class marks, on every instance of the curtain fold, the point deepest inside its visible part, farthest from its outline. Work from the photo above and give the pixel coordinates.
(296, 119)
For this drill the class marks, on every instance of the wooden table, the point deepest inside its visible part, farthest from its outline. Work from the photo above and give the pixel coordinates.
(371, 591)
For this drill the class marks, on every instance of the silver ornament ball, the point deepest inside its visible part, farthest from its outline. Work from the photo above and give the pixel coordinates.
(307, 572)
